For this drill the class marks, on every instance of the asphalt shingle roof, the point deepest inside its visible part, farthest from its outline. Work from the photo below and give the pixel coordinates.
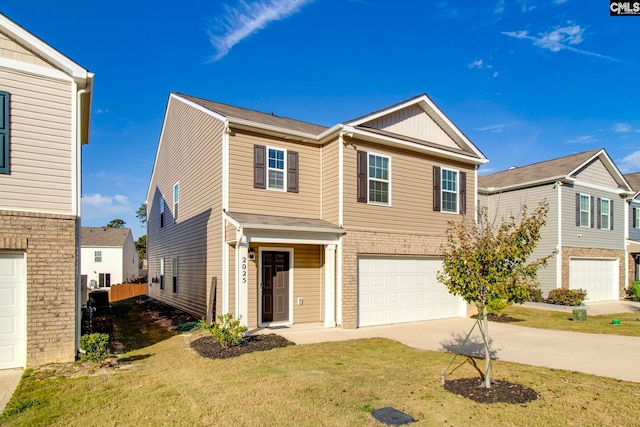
(634, 180)
(103, 237)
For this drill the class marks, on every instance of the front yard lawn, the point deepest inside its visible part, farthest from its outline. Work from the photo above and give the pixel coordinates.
(561, 321)
(330, 384)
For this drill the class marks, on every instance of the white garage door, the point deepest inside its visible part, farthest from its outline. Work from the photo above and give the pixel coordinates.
(403, 289)
(13, 311)
(598, 276)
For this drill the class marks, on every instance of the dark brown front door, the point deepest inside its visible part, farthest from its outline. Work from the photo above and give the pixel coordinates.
(275, 286)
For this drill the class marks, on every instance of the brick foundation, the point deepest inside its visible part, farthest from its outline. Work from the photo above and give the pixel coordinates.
(50, 245)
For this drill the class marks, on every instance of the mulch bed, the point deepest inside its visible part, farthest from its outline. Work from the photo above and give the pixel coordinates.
(500, 391)
(212, 349)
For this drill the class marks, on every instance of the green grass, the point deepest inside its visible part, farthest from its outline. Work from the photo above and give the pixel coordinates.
(329, 384)
(561, 321)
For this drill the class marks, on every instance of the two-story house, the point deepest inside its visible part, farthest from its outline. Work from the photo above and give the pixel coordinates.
(45, 101)
(108, 256)
(586, 221)
(633, 233)
(281, 221)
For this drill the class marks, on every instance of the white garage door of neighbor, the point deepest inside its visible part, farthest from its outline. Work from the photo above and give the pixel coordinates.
(13, 311)
(599, 277)
(403, 289)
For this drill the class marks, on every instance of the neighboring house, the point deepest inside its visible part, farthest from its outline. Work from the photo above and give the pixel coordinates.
(633, 236)
(45, 104)
(280, 221)
(109, 256)
(586, 221)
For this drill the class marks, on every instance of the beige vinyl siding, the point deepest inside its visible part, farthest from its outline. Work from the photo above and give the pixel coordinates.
(308, 284)
(12, 50)
(414, 122)
(244, 198)
(189, 153)
(411, 192)
(586, 237)
(596, 173)
(502, 205)
(330, 182)
(41, 144)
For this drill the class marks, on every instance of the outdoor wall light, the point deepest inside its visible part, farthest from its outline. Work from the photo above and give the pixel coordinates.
(252, 253)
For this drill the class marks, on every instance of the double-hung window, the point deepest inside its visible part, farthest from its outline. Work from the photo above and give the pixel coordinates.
(161, 273)
(176, 199)
(636, 217)
(175, 275)
(379, 179)
(449, 188)
(585, 210)
(97, 256)
(161, 211)
(605, 214)
(276, 169)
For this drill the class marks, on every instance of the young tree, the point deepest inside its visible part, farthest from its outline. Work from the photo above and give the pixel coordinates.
(488, 264)
(116, 223)
(141, 247)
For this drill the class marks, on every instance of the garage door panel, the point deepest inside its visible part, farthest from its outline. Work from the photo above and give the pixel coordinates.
(599, 277)
(12, 311)
(395, 290)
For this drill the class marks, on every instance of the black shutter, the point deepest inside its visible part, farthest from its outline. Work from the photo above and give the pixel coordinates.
(599, 211)
(5, 119)
(463, 193)
(259, 166)
(611, 214)
(292, 172)
(436, 188)
(362, 177)
(593, 211)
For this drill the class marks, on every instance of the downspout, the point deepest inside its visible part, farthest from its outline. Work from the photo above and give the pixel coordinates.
(559, 265)
(77, 207)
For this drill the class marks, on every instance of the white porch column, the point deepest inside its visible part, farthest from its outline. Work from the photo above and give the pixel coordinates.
(242, 280)
(330, 286)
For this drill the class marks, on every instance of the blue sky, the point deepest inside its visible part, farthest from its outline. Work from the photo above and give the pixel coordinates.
(525, 80)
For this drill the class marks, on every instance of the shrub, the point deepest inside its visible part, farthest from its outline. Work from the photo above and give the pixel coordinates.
(535, 295)
(186, 327)
(95, 346)
(566, 296)
(227, 332)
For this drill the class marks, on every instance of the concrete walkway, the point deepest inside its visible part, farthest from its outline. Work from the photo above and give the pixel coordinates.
(598, 354)
(9, 380)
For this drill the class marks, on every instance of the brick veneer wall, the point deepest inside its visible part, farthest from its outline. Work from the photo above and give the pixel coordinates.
(50, 244)
(569, 252)
(631, 270)
(358, 241)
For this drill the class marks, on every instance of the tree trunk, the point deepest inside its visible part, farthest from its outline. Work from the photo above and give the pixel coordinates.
(487, 349)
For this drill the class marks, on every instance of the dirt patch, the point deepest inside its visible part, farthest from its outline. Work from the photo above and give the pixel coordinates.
(500, 391)
(164, 315)
(208, 347)
(500, 318)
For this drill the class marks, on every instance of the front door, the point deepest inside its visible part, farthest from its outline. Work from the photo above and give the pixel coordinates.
(275, 287)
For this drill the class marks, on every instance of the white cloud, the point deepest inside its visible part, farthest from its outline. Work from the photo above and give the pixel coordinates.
(246, 18)
(561, 38)
(492, 128)
(479, 63)
(499, 9)
(495, 74)
(621, 127)
(527, 6)
(98, 206)
(582, 139)
(630, 163)
(101, 111)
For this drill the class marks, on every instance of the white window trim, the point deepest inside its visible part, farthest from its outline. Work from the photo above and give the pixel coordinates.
(174, 275)
(162, 282)
(588, 225)
(443, 191)
(369, 179)
(637, 223)
(284, 170)
(176, 202)
(95, 256)
(602, 215)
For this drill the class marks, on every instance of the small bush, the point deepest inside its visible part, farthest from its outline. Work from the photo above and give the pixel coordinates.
(95, 346)
(570, 297)
(187, 327)
(535, 295)
(228, 332)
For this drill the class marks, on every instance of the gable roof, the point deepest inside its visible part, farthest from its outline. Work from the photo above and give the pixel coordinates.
(634, 180)
(560, 169)
(104, 237)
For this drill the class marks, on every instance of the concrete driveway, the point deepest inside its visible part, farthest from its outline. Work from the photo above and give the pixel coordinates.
(603, 355)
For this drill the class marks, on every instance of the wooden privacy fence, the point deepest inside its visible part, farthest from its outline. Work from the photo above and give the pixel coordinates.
(126, 290)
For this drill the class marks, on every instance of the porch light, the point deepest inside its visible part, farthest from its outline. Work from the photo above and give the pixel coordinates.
(252, 253)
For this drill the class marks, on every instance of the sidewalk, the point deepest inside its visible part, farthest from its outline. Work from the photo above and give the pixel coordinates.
(598, 354)
(9, 380)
